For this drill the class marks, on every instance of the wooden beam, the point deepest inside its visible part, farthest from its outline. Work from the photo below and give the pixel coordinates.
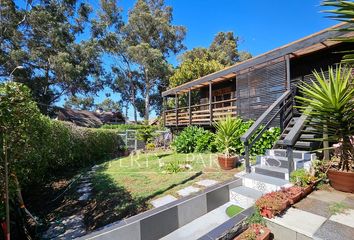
(287, 61)
(210, 105)
(268, 56)
(176, 108)
(189, 107)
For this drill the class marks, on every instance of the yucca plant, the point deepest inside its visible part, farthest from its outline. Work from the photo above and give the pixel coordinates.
(331, 103)
(227, 134)
(344, 12)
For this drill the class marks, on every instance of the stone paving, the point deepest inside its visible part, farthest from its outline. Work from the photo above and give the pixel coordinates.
(72, 226)
(324, 214)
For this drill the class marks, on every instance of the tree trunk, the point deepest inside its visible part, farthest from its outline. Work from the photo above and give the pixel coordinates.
(147, 97)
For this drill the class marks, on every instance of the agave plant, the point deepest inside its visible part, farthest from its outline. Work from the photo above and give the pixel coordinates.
(227, 134)
(331, 103)
(343, 11)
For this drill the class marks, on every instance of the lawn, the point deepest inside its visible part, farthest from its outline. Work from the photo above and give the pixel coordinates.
(125, 186)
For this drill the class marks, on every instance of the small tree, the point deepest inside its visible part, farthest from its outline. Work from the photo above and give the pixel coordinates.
(330, 100)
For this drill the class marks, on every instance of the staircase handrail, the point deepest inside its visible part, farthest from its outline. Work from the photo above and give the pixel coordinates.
(251, 131)
(295, 132)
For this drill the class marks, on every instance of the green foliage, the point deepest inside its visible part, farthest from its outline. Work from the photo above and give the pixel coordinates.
(173, 167)
(193, 139)
(301, 177)
(337, 208)
(108, 105)
(224, 48)
(266, 141)
(79, 103)
(146, 134)
(150, 146)
(328, 102)
(344, 12)
(233, 210)
(227, 134)
(256, 218)
(124, 127)
(38, 146)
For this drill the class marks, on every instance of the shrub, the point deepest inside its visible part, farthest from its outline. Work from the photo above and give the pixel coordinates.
(266, 141)
(194, 139)
(302, 178)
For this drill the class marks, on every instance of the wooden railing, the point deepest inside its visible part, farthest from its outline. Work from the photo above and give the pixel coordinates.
(200, 114)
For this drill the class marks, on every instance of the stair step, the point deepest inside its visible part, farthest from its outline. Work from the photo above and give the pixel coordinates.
(271, 171)
(263, 183)
(247, 192)
(303, 144)
(308, 136)
(282, 162)
(297, 154)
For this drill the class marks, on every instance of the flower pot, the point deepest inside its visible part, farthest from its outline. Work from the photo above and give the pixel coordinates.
(259, 236)
(341, 181)
(307, 190)
(294, 199)
(227, 163)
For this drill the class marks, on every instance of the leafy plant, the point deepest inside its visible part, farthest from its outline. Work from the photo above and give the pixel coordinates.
(328, 102)
(344, 11)
(253, 232)
(302, 178)
(266, 141)
(256, 217)
(337, 208)
(173, 167)
(146, 134)
(272, 203)
(150, 146)
(226, 134)
(193, 139)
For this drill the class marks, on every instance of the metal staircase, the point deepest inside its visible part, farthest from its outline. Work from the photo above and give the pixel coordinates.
(292, 150)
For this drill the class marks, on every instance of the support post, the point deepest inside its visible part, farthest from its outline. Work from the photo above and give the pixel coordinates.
(247, 158)
(164, 108)
(287, 60)
(290, 155)
(210, 104)
(189, 107)
(176, 108)
(325, 143)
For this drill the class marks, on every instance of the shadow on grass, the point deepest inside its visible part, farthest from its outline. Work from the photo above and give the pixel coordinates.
(111, 202)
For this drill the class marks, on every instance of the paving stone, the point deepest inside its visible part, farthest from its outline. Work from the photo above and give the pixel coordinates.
(327, 196)
(84, 190)
(345, 218)
(85, 197)
(314, 206)
(299, 221)
(206, 182)
(333, 230)
(349, 201)
(188, 191)
(163, 200)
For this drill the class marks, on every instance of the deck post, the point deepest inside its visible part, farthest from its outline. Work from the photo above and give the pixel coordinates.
(287, 60)
(164, 107)
(176, 108)
(210, 104)
(189, 107)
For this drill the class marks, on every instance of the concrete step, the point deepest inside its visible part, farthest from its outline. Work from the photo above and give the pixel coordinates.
(244, 197)
(281, 162)
(297, 154)
(263, 183)
(271, 171)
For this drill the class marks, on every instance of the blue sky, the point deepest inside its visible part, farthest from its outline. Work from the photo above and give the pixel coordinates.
(261, 25)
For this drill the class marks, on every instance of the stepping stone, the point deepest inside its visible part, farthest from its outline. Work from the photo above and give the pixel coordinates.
(334, 230)
(314, 206)
(163, 201)
(345, 218)
(327, 196)
(206, 182)
(85, 197)
(84, 190)
(187, 191)
(85, 185)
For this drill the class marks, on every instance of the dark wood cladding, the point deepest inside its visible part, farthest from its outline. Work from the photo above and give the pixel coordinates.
(256, 90)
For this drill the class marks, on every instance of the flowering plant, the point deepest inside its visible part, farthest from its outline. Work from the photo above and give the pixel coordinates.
(253, 232)
(272, 203)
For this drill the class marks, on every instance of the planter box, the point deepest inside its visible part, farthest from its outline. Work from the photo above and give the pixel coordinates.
(265, 235)
(294, 199)
(307, 190)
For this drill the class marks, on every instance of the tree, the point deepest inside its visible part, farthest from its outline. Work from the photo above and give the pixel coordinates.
(46, 42)
(243, 56)
(79, 103)
(224, 48)
(151, 38)
(108, 105)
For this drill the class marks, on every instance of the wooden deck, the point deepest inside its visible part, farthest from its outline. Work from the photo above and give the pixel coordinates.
(201, 114)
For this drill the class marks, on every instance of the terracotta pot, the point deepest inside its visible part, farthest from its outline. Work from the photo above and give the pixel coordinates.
(227, 163)
(307, 190)
(294, 199)
(264, 236)
(341, 181)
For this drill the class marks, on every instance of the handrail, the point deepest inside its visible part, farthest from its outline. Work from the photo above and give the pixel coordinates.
(246, 137)
(295, 131)
(202, 104)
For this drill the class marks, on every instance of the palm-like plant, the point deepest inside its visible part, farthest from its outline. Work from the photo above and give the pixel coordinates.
(331, 103)
(344, 11)
(227, 134)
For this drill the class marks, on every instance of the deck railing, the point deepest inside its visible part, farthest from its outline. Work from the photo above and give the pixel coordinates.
(200, 114)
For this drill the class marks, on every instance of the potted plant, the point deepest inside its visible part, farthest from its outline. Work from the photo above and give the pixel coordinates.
(226, 136)
(272, 204)
(293, 193)
(303, 179)
(255, 231)
(330, 103)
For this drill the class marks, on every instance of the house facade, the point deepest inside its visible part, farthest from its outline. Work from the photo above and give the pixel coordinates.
(249, 88)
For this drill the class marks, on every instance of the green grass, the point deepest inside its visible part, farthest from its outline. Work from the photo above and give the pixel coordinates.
(233, 210)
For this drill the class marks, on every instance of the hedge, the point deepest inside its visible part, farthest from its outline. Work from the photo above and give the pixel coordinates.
(39, 147)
